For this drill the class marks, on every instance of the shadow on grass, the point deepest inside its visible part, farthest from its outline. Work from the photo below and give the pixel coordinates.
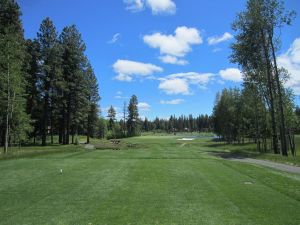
(236, 151)
(45, 150)
(233, 155)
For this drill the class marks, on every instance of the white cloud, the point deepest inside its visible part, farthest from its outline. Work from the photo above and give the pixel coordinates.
(134, 5)
(173, 60)
(216, 50)
(193, 77)
(290, 60)
(231, 74)
(115, 38)
(172, 102)
(127, 69)
(174, 45)
(156, 6)
(174, 86)
(161, 6)
(119, 95)
(218, 39)
(179, 83)
(143, 106)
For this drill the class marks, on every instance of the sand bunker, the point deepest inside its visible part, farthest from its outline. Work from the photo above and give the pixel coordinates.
(186, 139)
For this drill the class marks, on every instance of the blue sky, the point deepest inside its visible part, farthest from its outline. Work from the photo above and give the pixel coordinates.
(172, 54)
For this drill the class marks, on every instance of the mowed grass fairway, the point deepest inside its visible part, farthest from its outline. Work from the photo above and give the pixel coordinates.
(160, 181)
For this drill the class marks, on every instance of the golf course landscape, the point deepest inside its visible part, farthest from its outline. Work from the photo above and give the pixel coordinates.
(149, 112)
(163, 180)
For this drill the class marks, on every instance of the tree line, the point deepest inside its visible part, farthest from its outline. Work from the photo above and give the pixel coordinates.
(47, 85)
(241, 115)
(201, 123)
(263, 109)
(130, 124)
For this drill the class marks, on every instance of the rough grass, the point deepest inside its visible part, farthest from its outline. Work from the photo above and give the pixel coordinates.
(161, 181)
(249, 150)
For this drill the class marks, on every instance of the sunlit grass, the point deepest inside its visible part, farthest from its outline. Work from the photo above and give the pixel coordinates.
(161, 180)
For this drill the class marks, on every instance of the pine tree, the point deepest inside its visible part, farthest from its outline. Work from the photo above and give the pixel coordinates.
(133, 127)
(124, 119)
(14, 123)
(111, 114)
(93, 99)
(73, 89)
(33, 95)
(50, 70)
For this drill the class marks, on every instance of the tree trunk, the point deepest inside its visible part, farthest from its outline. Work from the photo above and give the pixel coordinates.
(45, 119)
(63, 125)
(51, 113)
(68, 124)
(7, 110)
(51, 126)
(282, 117)
(270, 87)
(60, 134)
(51, 131)
(291, 138)
(88, 130)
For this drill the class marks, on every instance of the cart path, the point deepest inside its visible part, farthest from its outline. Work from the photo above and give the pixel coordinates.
(275, 165)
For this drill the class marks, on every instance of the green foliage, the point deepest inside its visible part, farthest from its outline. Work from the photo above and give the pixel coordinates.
(257, 42)
(47, 85)
(50, 62)
(93, 98)
(133, 121)
(111, 118)
(227, 115)
(33, 92)
(201, 123)
(115, 133)
(101, 128)
(14, 122)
